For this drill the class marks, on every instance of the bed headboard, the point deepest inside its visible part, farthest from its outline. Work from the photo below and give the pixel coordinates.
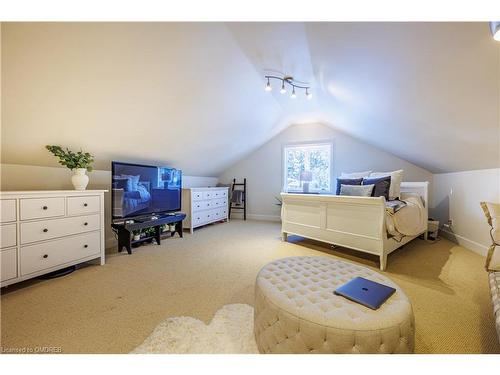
(420, 188)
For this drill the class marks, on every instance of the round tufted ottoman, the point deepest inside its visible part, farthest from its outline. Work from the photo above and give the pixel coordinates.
(297, 312)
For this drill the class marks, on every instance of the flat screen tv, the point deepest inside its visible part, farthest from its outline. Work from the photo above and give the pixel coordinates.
(142, 190)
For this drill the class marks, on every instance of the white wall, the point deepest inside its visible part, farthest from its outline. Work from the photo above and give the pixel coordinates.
(263, 167)
(136, 91)
(29, 177)
(456, 196)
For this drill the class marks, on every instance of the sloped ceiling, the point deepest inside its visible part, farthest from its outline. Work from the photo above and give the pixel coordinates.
(191, 94)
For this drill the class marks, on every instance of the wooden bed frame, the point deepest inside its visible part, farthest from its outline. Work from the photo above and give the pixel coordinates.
(354, 222)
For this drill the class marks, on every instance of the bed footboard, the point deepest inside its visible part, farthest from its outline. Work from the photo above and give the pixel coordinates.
(354, 222)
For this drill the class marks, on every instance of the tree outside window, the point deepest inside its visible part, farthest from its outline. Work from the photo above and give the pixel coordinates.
(307, 167)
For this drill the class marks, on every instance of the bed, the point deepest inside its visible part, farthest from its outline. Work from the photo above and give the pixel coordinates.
(129, 201)
(365, 224)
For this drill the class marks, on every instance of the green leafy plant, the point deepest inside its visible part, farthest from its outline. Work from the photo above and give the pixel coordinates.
(70, 159)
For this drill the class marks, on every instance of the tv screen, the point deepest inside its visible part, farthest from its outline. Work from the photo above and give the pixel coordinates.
(139, 190)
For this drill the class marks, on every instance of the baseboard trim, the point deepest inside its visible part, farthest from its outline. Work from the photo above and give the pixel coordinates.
(272, 218)
(465, 242)
(265, 217)
(111, 242)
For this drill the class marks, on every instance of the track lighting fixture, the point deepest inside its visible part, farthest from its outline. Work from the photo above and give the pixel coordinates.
(289, 80)
(283, 90)
(268, 86)
(309, 95)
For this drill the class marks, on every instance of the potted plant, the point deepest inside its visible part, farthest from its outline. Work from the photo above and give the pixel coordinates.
(80, 162)
(136, 235)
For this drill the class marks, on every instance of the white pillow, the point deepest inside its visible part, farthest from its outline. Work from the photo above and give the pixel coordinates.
(396, 179)
(356, 190)
(355, 175)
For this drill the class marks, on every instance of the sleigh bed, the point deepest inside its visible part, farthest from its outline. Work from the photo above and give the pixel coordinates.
(361, 223)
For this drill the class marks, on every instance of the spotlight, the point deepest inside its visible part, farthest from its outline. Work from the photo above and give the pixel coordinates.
(268, 86)
(283, 90)
(309, 95)
(293, 96)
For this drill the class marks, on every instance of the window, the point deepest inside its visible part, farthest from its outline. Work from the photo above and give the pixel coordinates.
(307, 167)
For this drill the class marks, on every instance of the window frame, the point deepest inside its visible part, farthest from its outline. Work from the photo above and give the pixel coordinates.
(284, 147)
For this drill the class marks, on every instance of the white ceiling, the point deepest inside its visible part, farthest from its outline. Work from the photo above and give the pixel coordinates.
(191, 94)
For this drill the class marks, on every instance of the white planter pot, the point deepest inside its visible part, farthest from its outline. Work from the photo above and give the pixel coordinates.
(80, 180)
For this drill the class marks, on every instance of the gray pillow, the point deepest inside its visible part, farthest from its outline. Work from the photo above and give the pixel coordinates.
(357, 190)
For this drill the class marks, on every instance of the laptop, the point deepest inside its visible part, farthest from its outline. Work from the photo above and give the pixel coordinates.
(365, 292)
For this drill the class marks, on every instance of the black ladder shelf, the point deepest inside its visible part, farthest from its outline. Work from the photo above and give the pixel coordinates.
(244, 198)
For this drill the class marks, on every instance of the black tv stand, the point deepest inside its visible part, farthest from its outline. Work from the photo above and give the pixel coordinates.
(124, 230)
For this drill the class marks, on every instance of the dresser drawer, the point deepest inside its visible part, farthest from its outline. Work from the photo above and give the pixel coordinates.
(8, 210)
(218, 214)
(219, 202)
(208, 194)
(197, 195)
(219, 194)
(198, 206)
(53, 253)
(223, 212)
(8, 235)
(198, 218)
(203, 205)
(212, 215)
(83, 205)
(48, 229)
(40, 208)
(208, 204)
(8, 262)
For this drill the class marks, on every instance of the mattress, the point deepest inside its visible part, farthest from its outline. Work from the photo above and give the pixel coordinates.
(408, 219)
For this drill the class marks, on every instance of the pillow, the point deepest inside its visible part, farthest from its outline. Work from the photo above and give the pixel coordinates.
(396, 179)
(357, 191)
(347, 181)
(355, 174)
(132, 181)
(382, 186)
(120, 183)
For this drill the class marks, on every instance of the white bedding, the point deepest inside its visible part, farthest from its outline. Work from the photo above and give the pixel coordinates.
(409, 220)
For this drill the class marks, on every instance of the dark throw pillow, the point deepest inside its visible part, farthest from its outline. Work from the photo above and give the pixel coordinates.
(382, 186)
(347, 181)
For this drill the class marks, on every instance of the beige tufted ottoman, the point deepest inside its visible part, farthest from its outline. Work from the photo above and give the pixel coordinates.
(297, 312)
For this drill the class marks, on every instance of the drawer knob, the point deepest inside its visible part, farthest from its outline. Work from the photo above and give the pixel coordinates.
(85, 223)
(45, 230)
(85, 205)
(44, 207)
(85, 246)
(45, 256)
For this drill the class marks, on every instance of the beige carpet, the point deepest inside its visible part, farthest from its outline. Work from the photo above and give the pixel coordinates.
(113, 308)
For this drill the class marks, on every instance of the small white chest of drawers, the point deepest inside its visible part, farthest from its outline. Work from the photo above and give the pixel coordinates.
(43, 231)
(204, 206)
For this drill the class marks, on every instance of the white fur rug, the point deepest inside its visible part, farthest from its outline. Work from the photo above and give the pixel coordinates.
(230, 332)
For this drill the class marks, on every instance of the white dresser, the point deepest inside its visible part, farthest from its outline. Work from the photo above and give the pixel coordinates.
(43, 231)
(204, 206)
